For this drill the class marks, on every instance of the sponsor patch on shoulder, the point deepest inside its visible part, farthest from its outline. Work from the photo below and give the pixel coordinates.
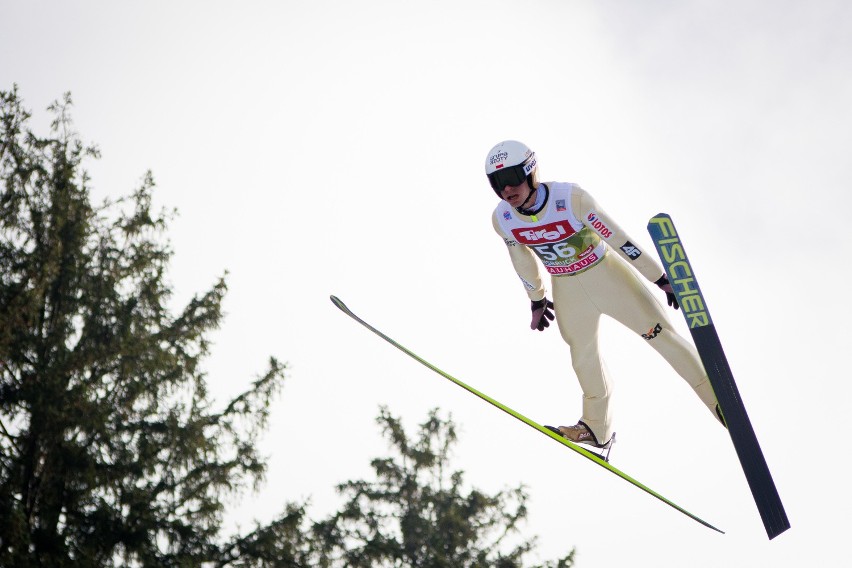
(506, 215)
(560, 205)
(595, 222)
(631, 250)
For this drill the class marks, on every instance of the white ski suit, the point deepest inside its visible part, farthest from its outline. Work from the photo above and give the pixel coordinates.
(574, 240)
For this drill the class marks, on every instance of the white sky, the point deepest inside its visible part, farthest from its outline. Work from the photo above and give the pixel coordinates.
(336, 147)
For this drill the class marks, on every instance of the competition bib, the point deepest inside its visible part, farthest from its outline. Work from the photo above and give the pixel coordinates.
(561, 241)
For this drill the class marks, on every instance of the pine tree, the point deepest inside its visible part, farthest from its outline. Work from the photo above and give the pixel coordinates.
(111, 450)
(417, 513)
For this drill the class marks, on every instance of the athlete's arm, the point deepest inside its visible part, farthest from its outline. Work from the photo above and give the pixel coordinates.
(591, 214)
(525, 264)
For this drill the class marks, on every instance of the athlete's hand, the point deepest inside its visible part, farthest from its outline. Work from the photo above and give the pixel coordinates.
(666, 287)
(541, 312)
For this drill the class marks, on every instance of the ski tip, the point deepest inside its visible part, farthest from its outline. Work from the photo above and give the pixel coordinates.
(658, 217)
(336, 301)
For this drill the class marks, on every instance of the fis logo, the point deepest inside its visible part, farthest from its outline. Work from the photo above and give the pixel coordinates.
(653, 332)
(507, 216)
(546, 233)
(560, 205)
(631, 250)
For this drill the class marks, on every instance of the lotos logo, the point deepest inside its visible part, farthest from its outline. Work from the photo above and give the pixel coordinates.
(546, 233)
(598, 225)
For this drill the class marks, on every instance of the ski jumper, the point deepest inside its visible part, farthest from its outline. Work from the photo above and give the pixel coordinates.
(574, 240)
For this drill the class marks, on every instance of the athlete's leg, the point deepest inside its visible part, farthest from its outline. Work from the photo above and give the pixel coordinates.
(629, 301)
(578, 319)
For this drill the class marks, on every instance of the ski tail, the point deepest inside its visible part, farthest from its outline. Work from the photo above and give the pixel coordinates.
(703, 330)
(582, 451)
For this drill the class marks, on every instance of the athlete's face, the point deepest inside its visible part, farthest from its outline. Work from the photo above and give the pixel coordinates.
(516, 195)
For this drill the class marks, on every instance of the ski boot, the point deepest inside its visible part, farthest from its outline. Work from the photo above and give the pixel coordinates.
(581, 434)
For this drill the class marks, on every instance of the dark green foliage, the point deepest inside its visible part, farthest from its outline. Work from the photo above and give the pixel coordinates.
(417, 513)
(110, 450)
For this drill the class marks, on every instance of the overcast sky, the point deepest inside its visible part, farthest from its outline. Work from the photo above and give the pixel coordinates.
(337, 147)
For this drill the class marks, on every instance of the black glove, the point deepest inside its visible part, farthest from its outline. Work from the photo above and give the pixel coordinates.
(541, 312)
(664, 285)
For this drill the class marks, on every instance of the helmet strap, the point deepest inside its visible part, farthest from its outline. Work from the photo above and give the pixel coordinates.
(522, 210)
(529, 195)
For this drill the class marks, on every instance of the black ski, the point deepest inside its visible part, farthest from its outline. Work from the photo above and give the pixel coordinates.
(600, 460)
(694, 309)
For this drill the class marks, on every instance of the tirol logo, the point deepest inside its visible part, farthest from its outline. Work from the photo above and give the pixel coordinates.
(599, 225)
(544, 234)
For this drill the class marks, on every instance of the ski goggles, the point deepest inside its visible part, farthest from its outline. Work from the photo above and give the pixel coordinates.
(513, 175)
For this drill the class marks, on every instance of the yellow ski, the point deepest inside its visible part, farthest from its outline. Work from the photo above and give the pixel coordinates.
(544, 430)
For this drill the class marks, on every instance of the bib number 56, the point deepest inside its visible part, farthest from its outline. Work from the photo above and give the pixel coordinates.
(556, 251)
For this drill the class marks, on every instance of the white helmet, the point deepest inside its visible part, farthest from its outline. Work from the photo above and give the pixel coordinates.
(509, 163)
